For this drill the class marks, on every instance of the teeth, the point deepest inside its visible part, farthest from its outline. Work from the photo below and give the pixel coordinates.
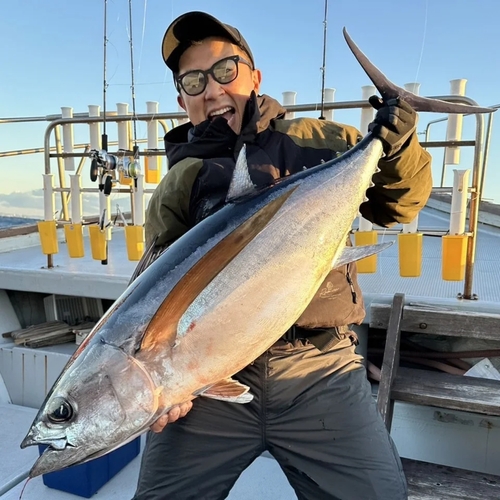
(219, 112)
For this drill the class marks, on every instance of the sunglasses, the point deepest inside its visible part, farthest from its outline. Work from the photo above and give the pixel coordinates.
(224, 71)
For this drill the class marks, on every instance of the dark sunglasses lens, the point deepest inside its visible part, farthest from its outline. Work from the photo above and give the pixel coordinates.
(193, 83)
(225, 71)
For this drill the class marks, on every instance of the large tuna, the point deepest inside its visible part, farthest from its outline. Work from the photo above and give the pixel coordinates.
(212, 303)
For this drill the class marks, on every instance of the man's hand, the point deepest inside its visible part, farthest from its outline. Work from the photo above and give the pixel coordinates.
(174, 414)
(394, 123)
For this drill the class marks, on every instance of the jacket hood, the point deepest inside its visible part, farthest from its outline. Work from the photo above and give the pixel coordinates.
(212, 139)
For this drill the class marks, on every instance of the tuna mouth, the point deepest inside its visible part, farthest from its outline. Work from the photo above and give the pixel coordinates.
(226, 112)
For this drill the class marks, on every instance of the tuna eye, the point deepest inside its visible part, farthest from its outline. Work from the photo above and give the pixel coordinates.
(60, 411)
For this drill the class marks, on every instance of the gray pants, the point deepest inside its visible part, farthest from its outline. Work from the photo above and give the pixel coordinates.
(313, 412)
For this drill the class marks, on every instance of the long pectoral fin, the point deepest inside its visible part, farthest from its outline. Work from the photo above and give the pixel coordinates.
(229, 390)
(162, 329)
(351, 254)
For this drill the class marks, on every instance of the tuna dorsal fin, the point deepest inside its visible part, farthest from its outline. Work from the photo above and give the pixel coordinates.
(241, 183)
(351, 254)
(389, 90)
(162, 329)
(229, 390)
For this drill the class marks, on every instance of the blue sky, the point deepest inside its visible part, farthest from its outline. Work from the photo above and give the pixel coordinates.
(52, 56)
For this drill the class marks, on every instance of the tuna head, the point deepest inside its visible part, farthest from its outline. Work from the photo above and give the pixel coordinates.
(102, 400)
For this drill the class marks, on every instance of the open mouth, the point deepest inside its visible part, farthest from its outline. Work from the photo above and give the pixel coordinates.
(226, 113)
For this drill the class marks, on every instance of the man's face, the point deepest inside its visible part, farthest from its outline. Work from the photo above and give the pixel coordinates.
(229, 99)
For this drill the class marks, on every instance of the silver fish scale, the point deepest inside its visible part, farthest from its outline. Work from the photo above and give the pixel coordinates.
(298, 246)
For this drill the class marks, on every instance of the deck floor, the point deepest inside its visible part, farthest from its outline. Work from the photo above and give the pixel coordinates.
(25, 268)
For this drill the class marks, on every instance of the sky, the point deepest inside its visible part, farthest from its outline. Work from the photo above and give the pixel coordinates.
(51, 56)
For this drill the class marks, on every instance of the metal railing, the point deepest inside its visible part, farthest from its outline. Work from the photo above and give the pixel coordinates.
(479, 159)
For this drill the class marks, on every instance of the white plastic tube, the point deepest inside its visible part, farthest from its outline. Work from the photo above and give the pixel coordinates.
(123, 135)
(152, 108)
(329, 97)
(364, 225)
(413, 87)
(95, 128)
(454, 129)
(367, 114)
(105, 204)
(289, 98)
(49, 200)
(76, 198)
(139, 204)
(459, 201)
(69, 163)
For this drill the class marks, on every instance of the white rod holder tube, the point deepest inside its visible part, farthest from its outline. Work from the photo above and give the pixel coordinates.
(123, 128)
(364, 225)
(95, 128)
(69, 163)
(76, 198)
(49, 200)
(413, 87)
(139, 202)
(459, 201)
(367, 114)
(105, 204)
(412, 227)
(289, 98)
(152, 108)
(329, 96)
(454, 128)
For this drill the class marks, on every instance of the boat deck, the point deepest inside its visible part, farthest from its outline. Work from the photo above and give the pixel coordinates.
(26, 268)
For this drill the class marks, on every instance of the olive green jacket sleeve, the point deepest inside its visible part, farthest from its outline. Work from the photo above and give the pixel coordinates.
(402, 187)
(167, 216)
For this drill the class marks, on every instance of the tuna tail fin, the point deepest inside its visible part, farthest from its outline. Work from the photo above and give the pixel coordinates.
(389, 90)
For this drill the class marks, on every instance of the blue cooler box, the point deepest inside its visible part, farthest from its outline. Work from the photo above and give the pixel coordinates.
(84, 480)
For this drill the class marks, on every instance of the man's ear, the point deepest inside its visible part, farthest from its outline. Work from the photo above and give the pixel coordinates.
(180, 101)
(257, 79)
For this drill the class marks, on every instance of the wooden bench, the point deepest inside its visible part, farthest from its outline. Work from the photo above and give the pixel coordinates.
(425, 387)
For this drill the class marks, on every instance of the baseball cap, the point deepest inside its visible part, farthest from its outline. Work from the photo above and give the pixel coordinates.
(193, 27)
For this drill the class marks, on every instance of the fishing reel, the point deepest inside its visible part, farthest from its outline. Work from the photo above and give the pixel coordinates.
(105, 165)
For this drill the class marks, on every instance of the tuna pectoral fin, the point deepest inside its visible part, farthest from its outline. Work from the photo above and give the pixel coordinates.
(228, 390)
(162, 329)
(389, 90)
(351, 254)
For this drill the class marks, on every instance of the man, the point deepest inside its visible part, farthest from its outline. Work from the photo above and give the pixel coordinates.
(312, 407)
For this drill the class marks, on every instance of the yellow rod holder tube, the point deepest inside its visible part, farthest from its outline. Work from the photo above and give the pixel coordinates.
(454, 255)
(362, 238)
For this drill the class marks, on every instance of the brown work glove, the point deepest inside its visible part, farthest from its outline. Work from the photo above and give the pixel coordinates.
(394, 123)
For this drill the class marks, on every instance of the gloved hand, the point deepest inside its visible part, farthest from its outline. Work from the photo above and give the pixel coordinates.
(394, 122)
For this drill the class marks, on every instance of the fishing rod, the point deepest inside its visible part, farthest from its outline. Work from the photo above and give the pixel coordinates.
(103, 163)
(323, 67)
(135, 166)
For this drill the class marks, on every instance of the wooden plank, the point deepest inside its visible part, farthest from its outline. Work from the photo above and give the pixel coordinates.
(390, 362)
(440, 321)
(443, 390)
(438, 482)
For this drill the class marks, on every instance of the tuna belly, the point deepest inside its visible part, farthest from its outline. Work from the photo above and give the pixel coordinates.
(238, 317)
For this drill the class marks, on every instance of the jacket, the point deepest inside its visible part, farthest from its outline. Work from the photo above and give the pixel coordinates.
(202, 160)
